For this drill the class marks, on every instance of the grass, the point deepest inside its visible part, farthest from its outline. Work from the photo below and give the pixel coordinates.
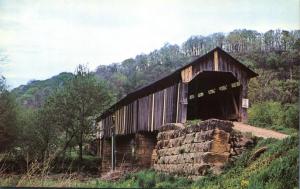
(193, 122)
(277, 168)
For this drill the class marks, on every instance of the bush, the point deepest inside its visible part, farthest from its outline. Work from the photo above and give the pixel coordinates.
(274, 115)
(291, 115)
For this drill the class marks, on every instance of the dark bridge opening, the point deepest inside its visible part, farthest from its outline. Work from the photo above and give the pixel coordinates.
(213, 95)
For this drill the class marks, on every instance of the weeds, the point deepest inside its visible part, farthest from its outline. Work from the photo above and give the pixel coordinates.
(277, 167)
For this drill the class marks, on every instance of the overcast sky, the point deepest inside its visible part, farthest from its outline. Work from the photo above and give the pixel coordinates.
(42, 38)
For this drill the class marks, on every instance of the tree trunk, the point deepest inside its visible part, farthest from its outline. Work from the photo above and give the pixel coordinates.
(80, 146)
(67, 144)
(291, 72)
(81, 134)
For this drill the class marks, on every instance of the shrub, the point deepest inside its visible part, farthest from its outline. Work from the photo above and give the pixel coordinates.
(274, 115)
(291, 116)
(265, 114)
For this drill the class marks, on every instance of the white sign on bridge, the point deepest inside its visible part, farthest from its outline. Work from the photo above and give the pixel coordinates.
(245, 103)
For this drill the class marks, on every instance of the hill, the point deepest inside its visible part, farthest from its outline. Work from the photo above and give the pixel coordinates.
(35, 92)
(273, 54)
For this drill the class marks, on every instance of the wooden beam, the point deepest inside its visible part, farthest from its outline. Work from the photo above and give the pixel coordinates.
(187, 74)
(235, 104)
(152, 113)
(149, 113)
(164, 107)
(177, 102)
(216, 61)
(124, 119)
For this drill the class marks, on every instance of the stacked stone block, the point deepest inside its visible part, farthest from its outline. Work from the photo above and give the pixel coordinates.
(193, 150)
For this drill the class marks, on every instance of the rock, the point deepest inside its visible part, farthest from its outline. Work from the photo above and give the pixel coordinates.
(189, 138)
(195, 150)
(245, 141)
(215, 158)
(165, 144)
(201, 169)
(204, 136)
(202, 147)
(257, 153)
(220, 142)
(171, 126)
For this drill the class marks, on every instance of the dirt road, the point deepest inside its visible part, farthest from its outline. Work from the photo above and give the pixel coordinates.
(259, 132)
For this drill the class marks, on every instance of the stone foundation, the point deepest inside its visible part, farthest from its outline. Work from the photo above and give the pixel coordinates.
(186, 150)
(132, 151)
(197, 149)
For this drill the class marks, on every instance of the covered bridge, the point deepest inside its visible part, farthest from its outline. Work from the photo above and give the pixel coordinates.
(214, 85)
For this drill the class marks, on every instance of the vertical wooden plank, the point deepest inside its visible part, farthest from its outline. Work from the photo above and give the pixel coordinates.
(130, 123)
(152, 113)
(164, 107)
(158, 109)
(117, 124)
(186, 74)
(124, 119)
(244, 94)
(128, 118)
(216, 61)
(117, 120)
(167, 112)
(177, 102)
(234, 104)
(173, 103)
(168, 105)
(137, 117)
(139, 122)
(183, 101)
(225, 64)
(143, 113)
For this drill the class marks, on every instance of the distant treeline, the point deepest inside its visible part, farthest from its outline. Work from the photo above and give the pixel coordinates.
(274, 49)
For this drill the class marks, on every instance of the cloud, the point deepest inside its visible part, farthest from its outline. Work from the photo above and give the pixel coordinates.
(44, 38)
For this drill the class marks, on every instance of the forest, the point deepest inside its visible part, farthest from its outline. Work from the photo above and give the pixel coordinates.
(51, 122)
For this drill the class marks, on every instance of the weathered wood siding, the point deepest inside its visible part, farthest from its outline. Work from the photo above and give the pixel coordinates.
(148, 113)
(225, 64)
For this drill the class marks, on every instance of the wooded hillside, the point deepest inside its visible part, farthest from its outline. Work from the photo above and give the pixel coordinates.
(273, 54)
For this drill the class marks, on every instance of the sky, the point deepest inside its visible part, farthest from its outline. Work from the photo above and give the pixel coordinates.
(41, 38)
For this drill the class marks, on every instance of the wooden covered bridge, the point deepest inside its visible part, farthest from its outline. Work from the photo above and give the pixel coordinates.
(214, 85)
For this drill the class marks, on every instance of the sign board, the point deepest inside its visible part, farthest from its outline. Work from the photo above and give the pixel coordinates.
(245, 103)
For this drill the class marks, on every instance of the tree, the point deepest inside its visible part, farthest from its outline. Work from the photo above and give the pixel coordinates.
(66, 117)
(8, 127)
(87, 97)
